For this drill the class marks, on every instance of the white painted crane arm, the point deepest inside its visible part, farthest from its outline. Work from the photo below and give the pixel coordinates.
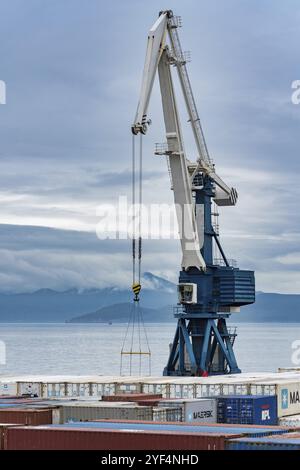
(155, 45)
(187, 225)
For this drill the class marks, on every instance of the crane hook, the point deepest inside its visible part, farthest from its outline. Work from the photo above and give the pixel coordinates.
(136, 287)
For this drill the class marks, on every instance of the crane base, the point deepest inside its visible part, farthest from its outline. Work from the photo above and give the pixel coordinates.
(202, 346)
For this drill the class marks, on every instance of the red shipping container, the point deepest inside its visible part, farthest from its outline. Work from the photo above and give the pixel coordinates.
(3, 427)
(28, 416)
(132, 397)
(56, 438)
(213, 425)
(149, 402)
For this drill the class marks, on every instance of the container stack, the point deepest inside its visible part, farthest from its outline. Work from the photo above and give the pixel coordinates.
(243, 411)
(131, 436)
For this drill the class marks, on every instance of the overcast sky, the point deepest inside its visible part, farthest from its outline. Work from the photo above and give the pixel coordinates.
(72, 70)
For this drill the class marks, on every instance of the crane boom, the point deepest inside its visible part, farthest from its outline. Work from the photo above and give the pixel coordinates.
(225, 196)
(160, 57)
(155, 44)
(180, 62)
(191, 254)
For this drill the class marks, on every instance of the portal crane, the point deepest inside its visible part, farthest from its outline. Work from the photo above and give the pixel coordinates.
(208, 292)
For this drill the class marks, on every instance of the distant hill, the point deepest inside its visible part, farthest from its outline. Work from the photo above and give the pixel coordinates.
(268, 308)
(271, 308)
(113, 304)
(120, 313)
(47, 305)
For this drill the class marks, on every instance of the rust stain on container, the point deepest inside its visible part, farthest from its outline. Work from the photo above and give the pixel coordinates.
(54, 438)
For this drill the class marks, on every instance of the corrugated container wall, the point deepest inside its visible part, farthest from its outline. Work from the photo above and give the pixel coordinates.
(198, 410)
(290, 421)
(93, 412)
(31, 417)
(172, 414)
(133, 397)
(8, 388)
(262, 443)
(248, 409)
(3, 427)
(287, 391)
(51, 438)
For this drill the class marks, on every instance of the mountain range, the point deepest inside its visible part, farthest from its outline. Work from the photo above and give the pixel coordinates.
(114, 305)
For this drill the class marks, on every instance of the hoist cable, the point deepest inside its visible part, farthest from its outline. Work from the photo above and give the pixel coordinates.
(140, 207)
(136, 327)
(126, 336)
(133, 209)
(132, 338)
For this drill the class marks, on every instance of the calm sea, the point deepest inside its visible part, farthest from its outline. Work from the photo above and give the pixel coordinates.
(95, 348)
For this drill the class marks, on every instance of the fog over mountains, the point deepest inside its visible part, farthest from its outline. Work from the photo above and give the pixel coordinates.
(114, 304)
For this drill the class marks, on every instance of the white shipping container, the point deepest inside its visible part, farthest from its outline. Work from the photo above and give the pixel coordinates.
(195, 411)
(8, 388)
(288, 398)
(167, 413)
(31, 388)
(290, 421)
(288, 395)
(91, 412)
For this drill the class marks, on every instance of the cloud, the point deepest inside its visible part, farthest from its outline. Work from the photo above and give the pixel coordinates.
(291, 259)
(73, 73)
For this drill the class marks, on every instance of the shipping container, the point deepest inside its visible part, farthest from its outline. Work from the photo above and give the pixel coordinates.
(263, 443)
(172, 414)
(257, 383)
(253, 431)
(289, 369)
(133, 397)
(290, 421)
(62, 438)
(31, 417)
(289, 435)
(197, 410)
(287, 391)
(8, 388)
(90, 412)
(150, 402)
(3, 427)
(247, 409)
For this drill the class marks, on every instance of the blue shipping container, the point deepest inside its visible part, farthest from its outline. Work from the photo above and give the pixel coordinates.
(262, 443)
(254, 432)
(247, 409)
